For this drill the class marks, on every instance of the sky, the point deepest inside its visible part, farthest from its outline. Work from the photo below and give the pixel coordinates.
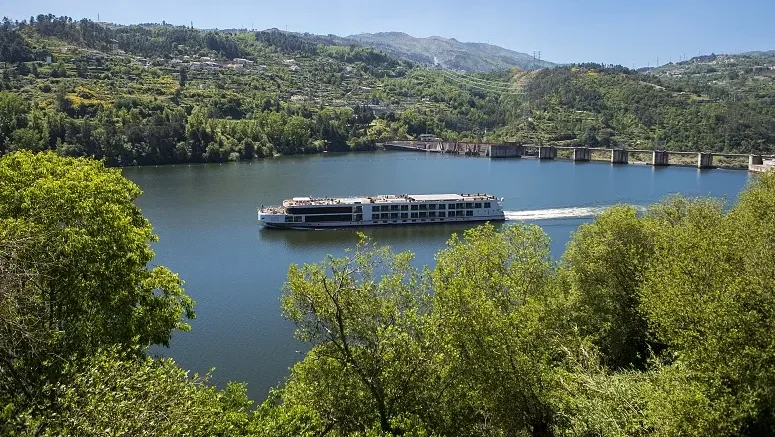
(635, 33)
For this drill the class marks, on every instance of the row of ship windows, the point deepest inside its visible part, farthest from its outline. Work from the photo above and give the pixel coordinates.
(429, 206)
(404, 221)
(382, 216)
(431, 214)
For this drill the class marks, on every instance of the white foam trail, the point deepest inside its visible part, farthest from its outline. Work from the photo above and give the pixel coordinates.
(558, 213)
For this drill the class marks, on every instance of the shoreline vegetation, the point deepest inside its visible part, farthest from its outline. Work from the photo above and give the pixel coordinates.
(627, 333)
(157, 94)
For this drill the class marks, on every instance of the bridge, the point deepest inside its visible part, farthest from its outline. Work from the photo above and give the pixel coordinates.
(659, 158)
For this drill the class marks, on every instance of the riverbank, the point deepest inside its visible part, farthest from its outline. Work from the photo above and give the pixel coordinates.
(634, 158)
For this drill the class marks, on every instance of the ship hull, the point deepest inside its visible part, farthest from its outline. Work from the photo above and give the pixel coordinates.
(370, 223)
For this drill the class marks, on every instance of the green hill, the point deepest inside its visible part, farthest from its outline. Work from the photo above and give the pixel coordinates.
(157, 93)
(725, 104)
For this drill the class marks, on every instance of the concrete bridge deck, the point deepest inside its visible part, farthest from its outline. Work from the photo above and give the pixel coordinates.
(756, 162)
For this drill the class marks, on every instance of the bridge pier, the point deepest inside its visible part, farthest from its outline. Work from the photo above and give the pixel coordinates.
(619, 156)
(582, 154)
(660, 157)
(547, 152)
(506, 150)
(704, 160)
(755, 160)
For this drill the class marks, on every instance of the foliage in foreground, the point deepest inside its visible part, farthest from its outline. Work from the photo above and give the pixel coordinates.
(653, 324)
(74, 274)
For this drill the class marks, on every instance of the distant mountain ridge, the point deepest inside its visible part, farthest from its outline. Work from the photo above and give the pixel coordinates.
(435, 50)
(449, 52)
(764, 53)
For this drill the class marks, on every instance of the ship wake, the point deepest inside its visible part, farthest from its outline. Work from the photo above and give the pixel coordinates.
(559, 213)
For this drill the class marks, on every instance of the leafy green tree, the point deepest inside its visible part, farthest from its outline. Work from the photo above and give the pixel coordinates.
(604, 263)
(13, 109)
(13, 47)
(24, 334)
(28, 139)
(709, 296)
(278, 418)
(494, 302)
(595, 400)
(88, 284)
(365, 315)
(183, 76)
(113, 393)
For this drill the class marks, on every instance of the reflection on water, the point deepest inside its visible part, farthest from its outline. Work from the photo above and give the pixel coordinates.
(382, 234)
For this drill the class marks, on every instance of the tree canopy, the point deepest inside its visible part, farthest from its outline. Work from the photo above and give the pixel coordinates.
(74, 259)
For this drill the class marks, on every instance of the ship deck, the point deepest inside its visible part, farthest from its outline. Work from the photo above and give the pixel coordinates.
(390, 198)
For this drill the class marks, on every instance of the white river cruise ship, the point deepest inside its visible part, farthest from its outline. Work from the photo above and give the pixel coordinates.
(403, 209)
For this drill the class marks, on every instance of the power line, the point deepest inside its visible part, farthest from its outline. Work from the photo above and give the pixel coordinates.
(494, 87)
(480, 80)
(483, 84)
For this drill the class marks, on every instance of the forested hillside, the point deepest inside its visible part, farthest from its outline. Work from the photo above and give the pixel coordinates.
(695, 106)
(156, 94)
(165, 94)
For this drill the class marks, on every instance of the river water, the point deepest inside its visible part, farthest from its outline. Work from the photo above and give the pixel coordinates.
(206, 219)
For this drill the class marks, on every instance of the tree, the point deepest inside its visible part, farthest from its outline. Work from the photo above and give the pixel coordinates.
(494, 304)
(86, 282)
(364, 314)
(604, 264)
(27, 139)
(183, 76)
(22, 69)
(13, 109)
(116, 393)
(709, 294)
(23, 331)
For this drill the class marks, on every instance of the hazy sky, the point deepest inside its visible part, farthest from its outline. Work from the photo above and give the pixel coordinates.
(623, 32)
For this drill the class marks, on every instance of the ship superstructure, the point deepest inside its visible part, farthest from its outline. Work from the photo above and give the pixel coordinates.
(402, 209)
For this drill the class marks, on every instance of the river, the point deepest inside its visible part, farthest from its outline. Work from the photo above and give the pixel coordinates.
(206, 220)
